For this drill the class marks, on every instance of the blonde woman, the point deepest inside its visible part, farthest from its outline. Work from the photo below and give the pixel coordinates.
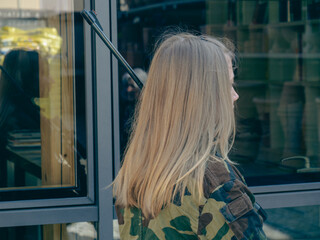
(177, 181)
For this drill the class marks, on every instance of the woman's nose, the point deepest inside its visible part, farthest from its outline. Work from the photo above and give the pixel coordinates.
(235, 95)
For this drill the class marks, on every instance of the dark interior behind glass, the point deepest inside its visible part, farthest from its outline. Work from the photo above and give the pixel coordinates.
(278, 52)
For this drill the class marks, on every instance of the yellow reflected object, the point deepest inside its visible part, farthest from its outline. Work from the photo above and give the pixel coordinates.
(45, 40)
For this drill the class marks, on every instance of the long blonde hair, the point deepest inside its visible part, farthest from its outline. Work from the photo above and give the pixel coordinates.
(184, 119)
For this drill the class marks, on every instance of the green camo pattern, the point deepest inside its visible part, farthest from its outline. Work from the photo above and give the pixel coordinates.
(225, 212)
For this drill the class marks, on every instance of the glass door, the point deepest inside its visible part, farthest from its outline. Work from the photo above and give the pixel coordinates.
(42, 105)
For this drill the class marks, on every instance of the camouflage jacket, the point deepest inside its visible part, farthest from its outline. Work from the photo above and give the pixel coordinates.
(225, 212)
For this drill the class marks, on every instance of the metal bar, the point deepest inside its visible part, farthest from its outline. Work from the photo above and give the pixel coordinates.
(103, 130)
(42, 216)
(92, 20)
(285, 188)
(44, 203)
(290, 199)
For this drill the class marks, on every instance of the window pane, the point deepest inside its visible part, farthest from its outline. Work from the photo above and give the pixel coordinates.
(278, 50)
(293, 223)
(69, 231)
(42, 126)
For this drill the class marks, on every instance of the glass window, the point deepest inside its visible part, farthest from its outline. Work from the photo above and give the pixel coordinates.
(42, 104)
(293, 223)
(278, 50)
(69, 231)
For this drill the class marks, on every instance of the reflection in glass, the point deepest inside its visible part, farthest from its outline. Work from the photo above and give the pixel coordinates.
(39, 99)
(278, 48)
(129, 96)
(69, 231)
(293, 223)
(20, 116)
